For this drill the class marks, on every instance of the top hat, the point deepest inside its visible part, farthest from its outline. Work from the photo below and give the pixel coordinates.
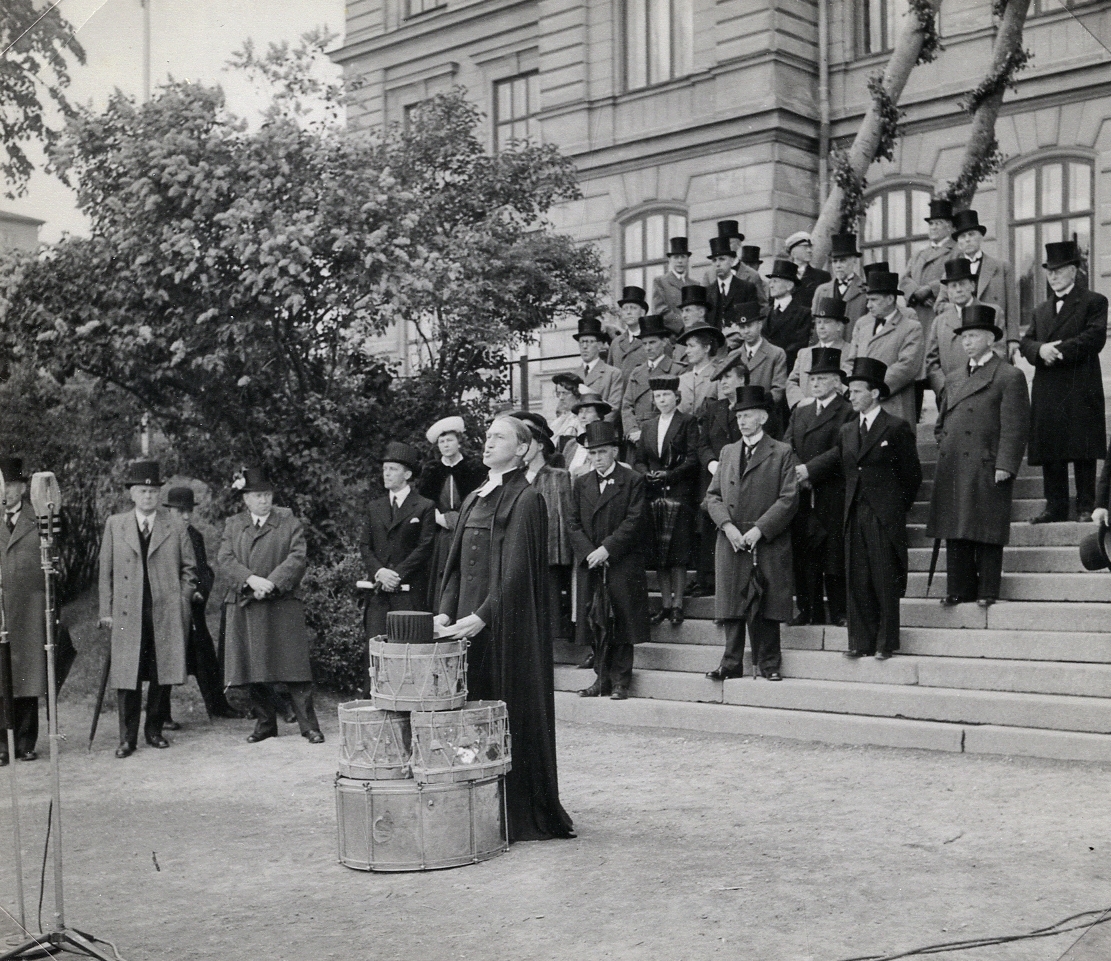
(967, 220)
(705, 329)
(588, 398)
(959, 268)
(693, 295)
(750, 256)
(979, 317)
(784, 270)
(1061, 254)
(182, 498)
(843, 245)
(730, 230)
(591, 327)
(599, 434)
(720, 247)
(826, 360)
(798, 237)
(872, 372)
(254, 481)
(445, 425)
(1093, 550)
(751, 397)
(940, 209)
(633, 295)
(12, 469)
(142, 473)
(883, 282)
(748, 312)
(663, 383)
(677, 246)
(573, 381)
(399, 453)
(831, 307)
(653, 326)
(878, 265)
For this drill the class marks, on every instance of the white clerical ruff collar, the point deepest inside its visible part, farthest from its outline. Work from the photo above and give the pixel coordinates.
(493, 482)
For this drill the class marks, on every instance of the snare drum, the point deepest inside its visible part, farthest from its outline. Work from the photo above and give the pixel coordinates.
(418, 677)
(374, 744)
(471, 743)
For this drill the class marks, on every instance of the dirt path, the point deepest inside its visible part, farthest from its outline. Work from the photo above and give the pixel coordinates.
(689, 847)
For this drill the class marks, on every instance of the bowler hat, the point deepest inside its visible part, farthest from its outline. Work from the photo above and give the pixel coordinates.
(588, 398)
(831, 307)
(751, 397)
(573, 381)
(1094, 550)
(978, 317)
(882, 282)
(872, 372)
(633, 295)
(663, 383)
(399, 453)
(591, 327)
(843, 245)
(693, 295)
(182, 498)
(720, 247)
(967, 220)
(940, 209)
(599, 434)
(445, 425)
(798, 237)
(959, 268)
(254, 481)
(538, 425)
(704, 329)
(748, 312)
(12, 469)
(882, 265)
(730, 230)
(784, 270)
(826, 360)
(1061, 254)
(677, 247)
(653, 326)
(142, 473)
(750, 255)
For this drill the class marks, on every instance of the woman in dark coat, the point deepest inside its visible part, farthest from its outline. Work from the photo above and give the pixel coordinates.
(446, 482)
(501, 605)
(670, 467)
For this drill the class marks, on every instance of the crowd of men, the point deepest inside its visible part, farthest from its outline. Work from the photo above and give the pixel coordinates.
(758, 430)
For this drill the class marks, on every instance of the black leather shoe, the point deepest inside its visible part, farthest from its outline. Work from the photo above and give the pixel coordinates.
(799, 620)
(255, 736)
(28, 756)
(720, 674)
(313, 737)
(1047, 517)
(3, 760)
(774, 676)
(985, 602)
(171, 725)
(595, 690)
(951, 601)
(619, 694)
(660, 616)
(882, 655)
(126, 749)
(157, 740)
(852, 654)
(1084, 518)
(588, 662)
(676, 616)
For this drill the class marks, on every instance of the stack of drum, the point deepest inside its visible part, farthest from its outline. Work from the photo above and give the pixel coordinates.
(421, 781)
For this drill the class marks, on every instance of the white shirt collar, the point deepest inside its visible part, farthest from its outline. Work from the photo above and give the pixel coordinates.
(783, 302)
(653, 364)
(257, 519)
(148, 518)
(451, 463)
(755, 439)
(590, 367)
(755, 347)
(976, 257)
(1065, 293)
(823, 404)
(982, 359)
(870, 417)
(399, 496)
(493, 482)
(608, 474)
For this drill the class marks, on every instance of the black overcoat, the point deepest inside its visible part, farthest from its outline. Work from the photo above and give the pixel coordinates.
(717, 426)
(402, 544)
(789, 329)
(724, 311)
(467, 474)
(679, 462)
(814, 439)
(1066, 404)
(24, 602)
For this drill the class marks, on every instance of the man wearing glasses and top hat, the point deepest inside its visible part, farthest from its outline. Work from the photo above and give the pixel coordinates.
(598, 376)
(626, 350)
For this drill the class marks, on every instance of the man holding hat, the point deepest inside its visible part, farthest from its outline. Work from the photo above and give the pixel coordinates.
(981, 432)
(752, 501)
(800, 248)
(608, 525)
(879, 461)
(264, 556)
(725, 290)
(147, 582)
(667, 289)
(626, 349)
(829, 329)
(846, 284)
(944, 352)
(893, 336)
(636, 402)
(789, 322)
(817, 534)
(24, 608)
(597, 375)
(1067, 406)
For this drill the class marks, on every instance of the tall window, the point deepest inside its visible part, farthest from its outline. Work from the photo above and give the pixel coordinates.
(659, 41)
(414, 8)
(644, 246)
(1051, 201)
(516, 102)
(878, 24)
(895, 226)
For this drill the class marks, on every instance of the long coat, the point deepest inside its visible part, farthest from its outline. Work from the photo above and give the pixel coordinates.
(616, 519)
(982, 427)
(626, 353)
(922, 283)
(24, 602)
(679, 462)
(790, 329)
(402, 544)
(609, 382)
(723, 311)
(266, 640)
(1067, 420)
(667, 294)
(798, 382)
(636, 404)
(995, 285)
(814, 438)
(765, 496)
(856, 301)
(554, 484)
(900, 345)
(944, 353)
(717, 426)
(171, 572)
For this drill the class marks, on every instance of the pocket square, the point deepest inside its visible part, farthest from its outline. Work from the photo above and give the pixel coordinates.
(416, 520)
(883, 443)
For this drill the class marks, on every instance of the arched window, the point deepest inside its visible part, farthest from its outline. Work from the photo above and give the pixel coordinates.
(895, 225)
(644, 243)
(1050, 201)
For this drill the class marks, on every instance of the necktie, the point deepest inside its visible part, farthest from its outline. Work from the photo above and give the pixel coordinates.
(258, 523)
(880, 321)
(145, 527)
(863, 429)
(11, 522)
(1059, 302)
(723, 288)
(393, 507)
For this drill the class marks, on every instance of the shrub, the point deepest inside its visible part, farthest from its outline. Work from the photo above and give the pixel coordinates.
(333, 614)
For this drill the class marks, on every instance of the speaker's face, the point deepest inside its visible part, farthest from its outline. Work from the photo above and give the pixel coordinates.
(13, 493)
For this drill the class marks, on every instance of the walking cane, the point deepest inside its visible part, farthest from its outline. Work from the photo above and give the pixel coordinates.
(104, 674)
(933, 564)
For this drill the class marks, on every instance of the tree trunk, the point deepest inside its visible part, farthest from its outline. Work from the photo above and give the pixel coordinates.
(908, 47)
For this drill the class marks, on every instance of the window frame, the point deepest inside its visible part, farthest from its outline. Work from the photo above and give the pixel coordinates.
(532, 81)
(680, 43)
(646, 264)
(890, 16)
(426, 6)
(913, 239)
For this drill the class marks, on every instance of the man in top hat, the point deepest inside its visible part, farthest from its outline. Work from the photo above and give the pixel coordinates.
(746, 265)
(626, 349)
(147, 582)
(800, 249)
(636, 402)
(24, 601)
(200, 652)
(893, 336)
(847, 284)
(879, 461)
(608, 525)
(752, 501)
(764, 363)
(597, 375)
(667, 289)
(818, 529)
(702, 343)
(944, 352)
(789, 322)
(264, 556)
(725, 291)
(995, 281)
(981, 431)
(829, 330)
(694, 306)
(1066, 405)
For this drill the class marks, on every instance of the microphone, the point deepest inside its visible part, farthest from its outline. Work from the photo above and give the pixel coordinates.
(46, 499)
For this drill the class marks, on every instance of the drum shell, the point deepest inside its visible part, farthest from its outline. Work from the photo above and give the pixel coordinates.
(418, 677)
(443, 740)
(374, 744)
(406, 826)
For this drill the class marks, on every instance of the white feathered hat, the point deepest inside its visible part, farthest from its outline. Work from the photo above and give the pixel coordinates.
(444, 425)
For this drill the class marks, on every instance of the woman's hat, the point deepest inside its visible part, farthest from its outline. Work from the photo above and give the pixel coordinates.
(959, 268)
(399, 453)
(831, 307)
(591, 327)
(967, 220)
(182, 498)
(1061, 254)
(12, 469)
(573, 381)
(538, 425)
(599, 434)
(663, 383)
(940, 209)
(253, 481)
(693, 295)
(826, 360)
(873, 372)
(784, 270)
(588, 398)
(735, 359)
(979, 317)
(653, 326)
(633, 295)
(141, 473)
(751, 397)
(445, 425)
(843, 245)
(677, 247)
(704, 329)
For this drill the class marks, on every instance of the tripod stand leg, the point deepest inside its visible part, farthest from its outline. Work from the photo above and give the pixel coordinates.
(16, 840)
(49, 945)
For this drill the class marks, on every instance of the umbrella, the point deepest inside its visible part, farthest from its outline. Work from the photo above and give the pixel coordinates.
(104, 674)
(665, 512)
(602, 619)
(933, 564)
(753, 596)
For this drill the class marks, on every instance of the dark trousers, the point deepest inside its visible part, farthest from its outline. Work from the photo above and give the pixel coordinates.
(205, 667)
(614, 666)
(705, 541)
(973, 570)
(559, 602)
(1055, 477)
(129, 705)
(819, 569)
(919, 397)
(264, 704)
(764, 635)
(875, 584)
(25, 726)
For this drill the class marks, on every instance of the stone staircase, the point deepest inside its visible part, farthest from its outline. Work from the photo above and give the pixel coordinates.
(1031, 675)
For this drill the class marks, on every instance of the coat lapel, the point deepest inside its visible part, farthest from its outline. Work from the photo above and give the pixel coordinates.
(1068, 308)
(670, 433)
(971, 384)
(823, 417)
(267, 525)
(405, 512)
(888, 327)
(879, 428)
(610, 492)
(24, 526)
(159, 532)
(760, 453)
(131, 532)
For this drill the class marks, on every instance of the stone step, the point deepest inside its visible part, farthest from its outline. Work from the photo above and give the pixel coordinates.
(1095, 586)
(1030, 560)
(835, 728)
(1021, 510)
(1048, 617)
(1023, 534)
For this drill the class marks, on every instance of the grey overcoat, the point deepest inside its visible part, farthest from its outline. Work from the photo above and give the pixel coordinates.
(24, 602)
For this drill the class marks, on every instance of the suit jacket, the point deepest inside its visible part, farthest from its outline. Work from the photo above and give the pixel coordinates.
(765, 495)
(921, 282)
(626, 355)
(798, 382)
(610, 384)
(24, 602)
(810, 279)
(1066, 400)
(856, 301)
(717, 426)
(995, 285)
(898, 344)
(402, 544)
(790, 329)
(667, 293)
(944, 353)
(814, 438)
(636, 402)
(696, 386)
(679, 461)
(171, 571)
(723, 310)
(768, 368)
